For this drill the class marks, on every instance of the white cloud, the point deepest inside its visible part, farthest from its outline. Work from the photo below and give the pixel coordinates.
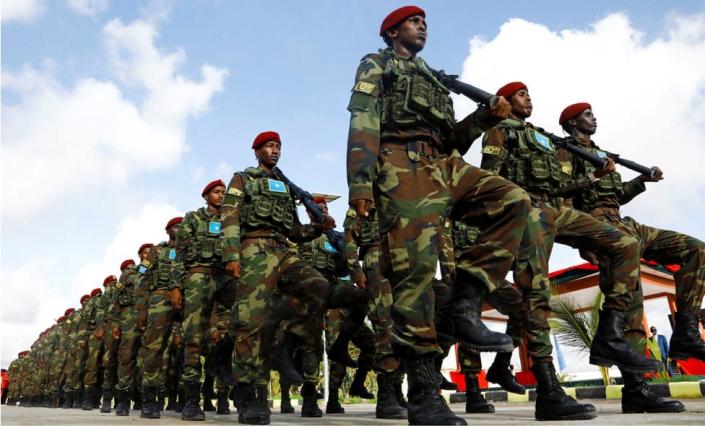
(32, 298)
(60, 140)
(21, 10)
(88, 7)
(648, 96)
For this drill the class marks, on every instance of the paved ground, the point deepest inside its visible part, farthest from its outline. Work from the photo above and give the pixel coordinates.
(360, 414)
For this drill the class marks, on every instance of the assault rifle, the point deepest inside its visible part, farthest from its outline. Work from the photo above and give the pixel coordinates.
(335, 237)
(480, 96)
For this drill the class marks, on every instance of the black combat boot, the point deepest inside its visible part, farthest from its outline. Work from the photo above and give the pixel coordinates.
(444, 383)
(426, 405)
(499, 373)
(475, 402)
(180, 401)
(88, 397)
(208, 394)
(150, 406)
(161, 400)
(137, 402)
(339, 350)
(192, 407)
(68, 400)
(77, 398)
(686, 341)
(610, 348)
(459, 317)
(309, 407)
(171, 400)
(282, 362)
(387, 404)
(107, 401)
(123, 403)
(223, 404)
(286, 407)
(638, 398)
(357, 387)
(551, 401)
(221, 362)
(252, 410)
(400, 395)
(333, 405)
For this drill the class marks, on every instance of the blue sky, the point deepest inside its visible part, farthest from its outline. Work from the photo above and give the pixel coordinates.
(278, 65)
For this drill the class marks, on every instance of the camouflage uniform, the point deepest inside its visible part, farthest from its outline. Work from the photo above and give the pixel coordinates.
(259, 215)
(404, 152)
(93, 347)
(12, 372)
(603, 200)
(522, 154)
(198, 251)
(70, 370)
(105, 322)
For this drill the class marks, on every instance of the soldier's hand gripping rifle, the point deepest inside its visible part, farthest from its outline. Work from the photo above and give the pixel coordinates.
(335, 237)
(480, 96)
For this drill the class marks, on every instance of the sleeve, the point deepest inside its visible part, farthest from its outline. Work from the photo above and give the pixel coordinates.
(182, 243)
(351, 248)
(572, 181)
(364, 133)
(494, 151)
(230, 215)
(631, 189)
(100, 310)
(470, 128)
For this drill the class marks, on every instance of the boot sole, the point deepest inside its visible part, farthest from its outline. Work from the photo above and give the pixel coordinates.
(604, 362)
(397, 417)
(635, 410)
(489, 348)
(573, 417)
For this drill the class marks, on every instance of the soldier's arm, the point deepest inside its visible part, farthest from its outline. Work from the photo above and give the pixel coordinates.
(351, 249)
(572, 181)
(230, 216)
(181, 246)
(301, 233)
(494, 150)
(631, 189)
(364, 133)
(471, 127)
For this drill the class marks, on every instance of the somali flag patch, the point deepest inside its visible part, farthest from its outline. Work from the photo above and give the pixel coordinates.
(601, 154)
(142, 269)
(213, 227)
(329, 247)
(172, 254)
(276, 186)
(543, 140)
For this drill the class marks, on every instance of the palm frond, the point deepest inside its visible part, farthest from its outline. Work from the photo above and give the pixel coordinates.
(571, 328)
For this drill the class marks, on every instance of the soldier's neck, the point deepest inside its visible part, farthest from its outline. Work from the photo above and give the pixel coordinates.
(516, 117)
(577, 134)
(213, 209)
(403, 51)
(171, 242)
(265, 168)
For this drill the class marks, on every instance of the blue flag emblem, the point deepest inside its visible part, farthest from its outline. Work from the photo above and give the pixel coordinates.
(213, 227)
(172, 254)
(276, 186)
(142, 269)
(543, 140)
(601, 154)
(329, 247)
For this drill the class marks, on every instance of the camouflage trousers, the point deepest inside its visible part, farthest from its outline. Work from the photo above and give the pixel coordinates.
(70, 366)
(203, 287)
(109, 360)
(665, 247)
(266, 265)
(379, 311)
(414, 193)
(130, 337)
(364, 339)
(95, 350)
(80, 359)
(56, 372)
(551, 222)
(156, 337)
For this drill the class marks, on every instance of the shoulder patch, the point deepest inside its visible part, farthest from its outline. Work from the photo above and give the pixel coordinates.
(235, 191)
(566, 167)
(491, 150)
(364, 87)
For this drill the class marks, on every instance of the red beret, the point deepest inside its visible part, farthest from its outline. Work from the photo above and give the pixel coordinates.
(96, 292)
(511, 88)
(109, 279)
(212, 185)
(573, 110)
(144, 246)
(320, 200)
(173, 222)
(61, 319)
(264, 137)
(85, 297)
(398, 16)
(126, 263)
(69, 311)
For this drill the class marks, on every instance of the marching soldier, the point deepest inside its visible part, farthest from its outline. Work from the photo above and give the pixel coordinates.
(94, 348)
(105, 322)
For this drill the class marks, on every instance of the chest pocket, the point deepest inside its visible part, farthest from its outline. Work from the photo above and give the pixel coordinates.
(269, 204)
(323, 256)
(464, 236)
(209, 238)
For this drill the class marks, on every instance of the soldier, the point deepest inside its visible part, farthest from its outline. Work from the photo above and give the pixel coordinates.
(363, 243)
(603, 200)
(70, 367)
(164, 302)
(95, 348)
(259, 215)
(57, 363)
(198, 252)
(110, 345)
(405, 154)
(522, 153)
(123, 317)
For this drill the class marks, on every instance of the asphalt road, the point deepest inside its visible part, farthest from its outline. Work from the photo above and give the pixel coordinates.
(360, 414)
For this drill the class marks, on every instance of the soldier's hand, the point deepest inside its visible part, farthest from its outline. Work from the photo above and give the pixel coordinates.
(99, 333)
(589, 256)
(362, 282)
(500, 107)
(609, 168)
(116, 332)
(141, 319)
(657, 175)
(175, 298)
(233, 269)
(362, 207)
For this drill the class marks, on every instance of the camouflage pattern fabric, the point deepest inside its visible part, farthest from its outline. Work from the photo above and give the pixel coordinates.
(94, 346)
(110, 345)
(123, 312)
(72, 350)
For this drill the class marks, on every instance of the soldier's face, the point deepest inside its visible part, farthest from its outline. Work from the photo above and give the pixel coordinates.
(173, 229)
(323, 207)
(215, 196)
(143, 253)
(585, 122)
(268, 154)
(411, 33)
(521, 104)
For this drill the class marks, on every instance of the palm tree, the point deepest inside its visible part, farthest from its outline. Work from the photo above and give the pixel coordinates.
(574, 328)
